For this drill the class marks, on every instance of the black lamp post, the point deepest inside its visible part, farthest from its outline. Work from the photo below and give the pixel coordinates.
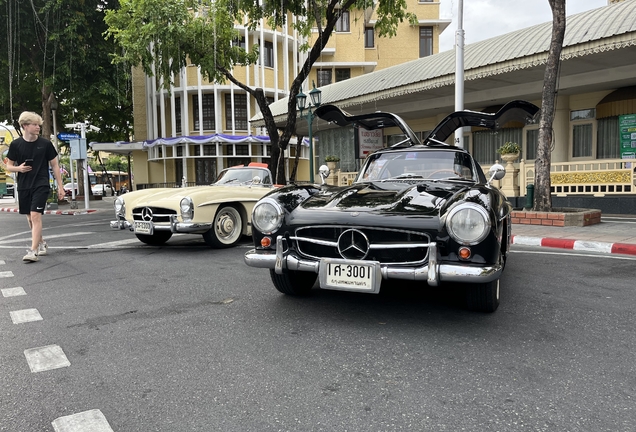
(301, 99)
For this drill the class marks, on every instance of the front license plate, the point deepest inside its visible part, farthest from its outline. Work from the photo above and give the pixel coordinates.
(345, 275)
(143, 228)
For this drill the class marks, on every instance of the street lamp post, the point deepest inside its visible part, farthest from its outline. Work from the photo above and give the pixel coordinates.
(301, 99)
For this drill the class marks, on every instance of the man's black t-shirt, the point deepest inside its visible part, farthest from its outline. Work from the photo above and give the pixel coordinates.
(41, 151)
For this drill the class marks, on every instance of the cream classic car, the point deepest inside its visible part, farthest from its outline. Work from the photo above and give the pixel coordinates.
(220, 212)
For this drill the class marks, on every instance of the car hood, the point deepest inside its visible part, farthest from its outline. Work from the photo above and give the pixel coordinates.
(201, 195)
(376, 202)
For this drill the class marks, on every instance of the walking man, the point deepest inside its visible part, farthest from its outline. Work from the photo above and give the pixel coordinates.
(30, 156)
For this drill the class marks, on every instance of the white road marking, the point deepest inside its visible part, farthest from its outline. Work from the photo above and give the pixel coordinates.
(93, 421)
(48, 237)
(6, 274)
(12, 292)
(25, 315)
(46, 358)
(2, 262)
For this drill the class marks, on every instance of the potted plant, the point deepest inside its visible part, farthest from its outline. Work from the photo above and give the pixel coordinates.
(510, 151)
(332, 160)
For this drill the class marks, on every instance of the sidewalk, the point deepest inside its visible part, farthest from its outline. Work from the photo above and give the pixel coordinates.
(615, 234)
(8, 204)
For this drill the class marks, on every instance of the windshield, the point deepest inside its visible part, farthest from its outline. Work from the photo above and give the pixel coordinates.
(418, 165)
(238, 176)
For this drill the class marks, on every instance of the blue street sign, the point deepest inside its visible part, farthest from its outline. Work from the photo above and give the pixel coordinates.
(63, 136)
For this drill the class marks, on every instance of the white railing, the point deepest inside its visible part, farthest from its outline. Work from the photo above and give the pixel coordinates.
(597, 177)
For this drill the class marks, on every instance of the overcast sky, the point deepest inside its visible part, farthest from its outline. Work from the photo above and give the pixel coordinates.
(484, 19)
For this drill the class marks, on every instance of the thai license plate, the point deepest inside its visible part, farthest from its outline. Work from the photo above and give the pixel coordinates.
(346, 275)
(143, 228)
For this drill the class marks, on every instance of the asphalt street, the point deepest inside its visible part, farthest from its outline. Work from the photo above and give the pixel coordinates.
(120, 336)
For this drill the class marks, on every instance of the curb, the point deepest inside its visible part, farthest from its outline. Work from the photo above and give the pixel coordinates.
(52, 212)
(579, 245)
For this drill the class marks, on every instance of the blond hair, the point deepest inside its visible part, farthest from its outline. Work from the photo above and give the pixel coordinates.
(29, 117)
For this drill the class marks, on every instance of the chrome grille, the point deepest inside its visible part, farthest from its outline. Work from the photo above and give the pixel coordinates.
(390, 246)
(159, 214)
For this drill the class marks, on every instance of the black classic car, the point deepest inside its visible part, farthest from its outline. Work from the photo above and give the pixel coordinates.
(416, 211)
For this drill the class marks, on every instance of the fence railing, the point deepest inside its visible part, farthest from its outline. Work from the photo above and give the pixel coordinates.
(597, 177)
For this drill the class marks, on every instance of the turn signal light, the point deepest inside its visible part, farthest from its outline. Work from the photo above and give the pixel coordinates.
(266, 242)
(464, 253)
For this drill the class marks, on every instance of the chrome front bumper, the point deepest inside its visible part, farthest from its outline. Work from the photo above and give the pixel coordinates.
(174, 226)
(433, 272)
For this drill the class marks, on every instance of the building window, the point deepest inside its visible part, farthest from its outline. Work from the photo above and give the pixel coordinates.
(426, 41)
(205, 171)
(324, 77)
(582, 132)
(343, 74)
(239, 42)
(608, 141)
(177, 114)
(267, 57)
(486, 143)
(208, 111)
(240, 112)
(369, 41)
(209, 150)
(342, 25)
(532, 143)
(241, 150)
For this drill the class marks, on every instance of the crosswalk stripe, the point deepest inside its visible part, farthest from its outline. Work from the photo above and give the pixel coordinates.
(46, 358)
(25, 315)
(6, 274)
(12, 292)
(93, 420)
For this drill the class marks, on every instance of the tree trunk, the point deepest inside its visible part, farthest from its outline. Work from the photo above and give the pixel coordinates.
(542, 184)
(292, 176)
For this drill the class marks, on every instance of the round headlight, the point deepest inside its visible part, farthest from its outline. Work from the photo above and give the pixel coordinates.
(468, 224)
(120, 206)
(187, 208)
(267, 216)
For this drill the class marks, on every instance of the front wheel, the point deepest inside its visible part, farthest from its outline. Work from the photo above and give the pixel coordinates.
(226, 230)
(157, 239)
(483, 297)
(294, 283)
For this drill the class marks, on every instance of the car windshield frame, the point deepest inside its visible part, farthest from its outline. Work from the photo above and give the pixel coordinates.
(243, 176)
(419, 165)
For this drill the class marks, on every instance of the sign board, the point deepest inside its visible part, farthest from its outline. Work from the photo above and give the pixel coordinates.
(369, 141)
(627, 131)
(63, 136)
(78, 148)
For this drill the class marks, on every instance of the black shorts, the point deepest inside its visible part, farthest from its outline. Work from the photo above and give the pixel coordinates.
(33, 200)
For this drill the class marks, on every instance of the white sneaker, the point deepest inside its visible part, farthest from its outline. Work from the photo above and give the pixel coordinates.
(31, 256)
(43, 249)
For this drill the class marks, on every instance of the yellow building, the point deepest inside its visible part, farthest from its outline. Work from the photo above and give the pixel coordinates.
(196, 128)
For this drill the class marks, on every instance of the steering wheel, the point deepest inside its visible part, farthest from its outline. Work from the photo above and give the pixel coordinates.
(445, 170)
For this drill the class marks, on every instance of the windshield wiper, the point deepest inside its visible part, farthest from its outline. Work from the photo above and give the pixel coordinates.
(405, 176)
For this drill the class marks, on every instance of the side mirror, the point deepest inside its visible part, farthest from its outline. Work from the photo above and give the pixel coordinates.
(324, 172)
(497, 172)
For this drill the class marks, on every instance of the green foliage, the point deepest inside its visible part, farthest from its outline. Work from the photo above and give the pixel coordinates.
(162, 36)
(332, 158)
(509, 148)
(58, 46)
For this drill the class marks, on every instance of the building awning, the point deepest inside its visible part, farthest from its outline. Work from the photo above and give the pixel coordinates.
(120, 147)
(619, 102)
(206, 139)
